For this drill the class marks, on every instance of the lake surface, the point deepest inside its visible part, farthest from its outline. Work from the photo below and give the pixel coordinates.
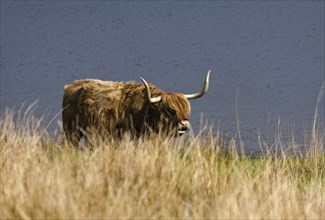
(266, 57)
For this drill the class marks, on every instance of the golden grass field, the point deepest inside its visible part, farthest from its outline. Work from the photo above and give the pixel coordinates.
(194, 178)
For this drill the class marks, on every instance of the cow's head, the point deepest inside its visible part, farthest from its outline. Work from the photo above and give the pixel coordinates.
(173, 109)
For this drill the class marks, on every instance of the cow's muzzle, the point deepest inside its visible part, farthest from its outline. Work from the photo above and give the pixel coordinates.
(183, 126)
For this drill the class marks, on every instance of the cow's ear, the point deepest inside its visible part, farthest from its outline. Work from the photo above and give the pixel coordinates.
(156, 105)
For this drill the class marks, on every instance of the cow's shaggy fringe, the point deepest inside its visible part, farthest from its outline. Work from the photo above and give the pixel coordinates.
(202, 177)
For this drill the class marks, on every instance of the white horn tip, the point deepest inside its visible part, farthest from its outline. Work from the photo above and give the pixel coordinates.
(209, 72)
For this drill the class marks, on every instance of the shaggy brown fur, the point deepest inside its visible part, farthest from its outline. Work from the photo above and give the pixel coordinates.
(115, 107)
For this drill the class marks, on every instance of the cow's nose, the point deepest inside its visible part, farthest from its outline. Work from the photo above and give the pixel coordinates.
(184, 125)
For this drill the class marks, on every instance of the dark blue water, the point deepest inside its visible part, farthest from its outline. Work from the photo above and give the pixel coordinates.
(271, 54)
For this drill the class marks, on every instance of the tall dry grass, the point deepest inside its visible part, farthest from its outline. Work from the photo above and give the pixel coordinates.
(198, 177)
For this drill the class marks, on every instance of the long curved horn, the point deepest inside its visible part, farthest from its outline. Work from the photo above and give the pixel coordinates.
(151, 100)
(203, 91)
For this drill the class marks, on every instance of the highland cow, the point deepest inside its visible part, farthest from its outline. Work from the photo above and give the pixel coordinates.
(113, 108)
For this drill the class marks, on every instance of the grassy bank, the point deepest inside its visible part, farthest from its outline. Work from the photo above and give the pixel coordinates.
(161, 178)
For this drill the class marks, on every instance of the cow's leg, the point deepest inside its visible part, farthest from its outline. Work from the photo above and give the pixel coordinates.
(71, 133)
